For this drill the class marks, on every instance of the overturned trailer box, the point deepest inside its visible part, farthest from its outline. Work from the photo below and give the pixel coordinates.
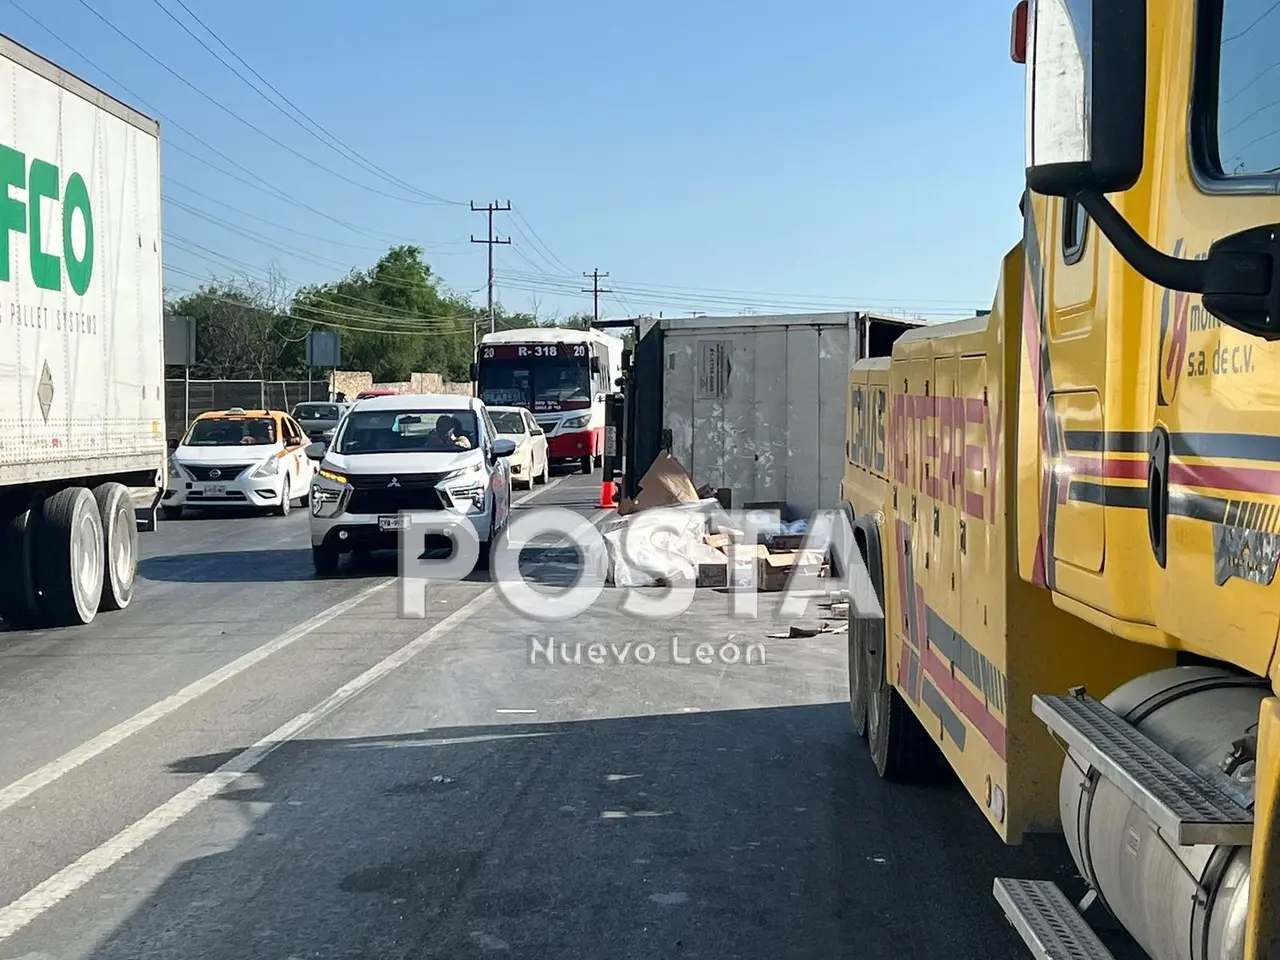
(754, 404)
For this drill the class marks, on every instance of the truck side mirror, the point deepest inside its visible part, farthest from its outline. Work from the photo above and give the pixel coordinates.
(475, 373)
(595, 364)
(1086, 93)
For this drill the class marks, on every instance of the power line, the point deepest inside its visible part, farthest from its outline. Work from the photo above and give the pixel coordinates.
(324, 136)
(253, 180)
(231, 113)
(490, 209)
(595, 292)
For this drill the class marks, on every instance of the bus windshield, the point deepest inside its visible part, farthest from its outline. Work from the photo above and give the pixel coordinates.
(545, 383)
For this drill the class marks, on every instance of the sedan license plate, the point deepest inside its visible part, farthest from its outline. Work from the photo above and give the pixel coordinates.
(393, 523)
(215, 489)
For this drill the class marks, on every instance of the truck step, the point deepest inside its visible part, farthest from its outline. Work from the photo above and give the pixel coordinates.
(1049, 925)
(1187, 807)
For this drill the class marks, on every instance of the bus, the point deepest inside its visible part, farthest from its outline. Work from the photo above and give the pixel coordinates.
(560, 375)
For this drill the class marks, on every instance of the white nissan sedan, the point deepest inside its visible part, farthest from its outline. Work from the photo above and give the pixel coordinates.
(239, 458)
(530, 463)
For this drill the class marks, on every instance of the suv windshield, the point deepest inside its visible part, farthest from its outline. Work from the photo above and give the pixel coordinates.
(315, 411)
(505, 421)
(227, 432)
(408, 431)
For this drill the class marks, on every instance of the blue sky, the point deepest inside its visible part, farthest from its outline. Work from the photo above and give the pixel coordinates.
(714, 157)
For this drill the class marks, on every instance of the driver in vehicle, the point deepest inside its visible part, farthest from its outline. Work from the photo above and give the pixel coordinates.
(446, 433)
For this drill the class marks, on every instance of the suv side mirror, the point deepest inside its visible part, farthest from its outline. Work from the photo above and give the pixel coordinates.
(315, 451)
(1086, 93)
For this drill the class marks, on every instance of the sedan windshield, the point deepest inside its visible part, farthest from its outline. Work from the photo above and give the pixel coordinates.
(408, 431)
(231, 432)
(316, 411)
(507, 422)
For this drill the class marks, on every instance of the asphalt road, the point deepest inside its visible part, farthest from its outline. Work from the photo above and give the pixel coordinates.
(254, 763)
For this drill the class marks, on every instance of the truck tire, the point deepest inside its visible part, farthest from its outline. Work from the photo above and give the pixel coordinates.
(20, 596)
(858, 687)
(859, 691)
(588, 464)
(70, 558)
(900, 748)
(120, 540)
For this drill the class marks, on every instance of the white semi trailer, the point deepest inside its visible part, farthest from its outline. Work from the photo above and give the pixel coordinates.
(82, 440)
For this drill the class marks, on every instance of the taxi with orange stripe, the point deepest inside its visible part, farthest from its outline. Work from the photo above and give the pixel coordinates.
(239, 458)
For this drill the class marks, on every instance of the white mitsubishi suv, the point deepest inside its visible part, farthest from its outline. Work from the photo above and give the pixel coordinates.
(395, 455)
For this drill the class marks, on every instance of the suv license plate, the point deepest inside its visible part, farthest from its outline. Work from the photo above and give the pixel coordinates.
(393, 523)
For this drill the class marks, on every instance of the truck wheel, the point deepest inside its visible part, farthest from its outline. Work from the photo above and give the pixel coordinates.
(70, 558)
(120, 531)
(587, 463)
(20, 598)
(858, 687)
(325, 559)
(900, 748)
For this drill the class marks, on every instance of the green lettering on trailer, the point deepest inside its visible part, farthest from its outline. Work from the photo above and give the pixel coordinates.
(43, 181)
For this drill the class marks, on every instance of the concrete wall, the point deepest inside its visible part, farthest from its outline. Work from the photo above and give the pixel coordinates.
(351, 382)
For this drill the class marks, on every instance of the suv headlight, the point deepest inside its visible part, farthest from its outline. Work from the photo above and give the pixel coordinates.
(577, 423)
(473, 472)
(268, 469)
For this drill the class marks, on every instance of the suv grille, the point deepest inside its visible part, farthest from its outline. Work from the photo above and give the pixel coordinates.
(373, 493)
(226, 471)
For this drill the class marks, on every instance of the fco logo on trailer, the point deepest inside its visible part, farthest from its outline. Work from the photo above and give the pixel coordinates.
(45, 189)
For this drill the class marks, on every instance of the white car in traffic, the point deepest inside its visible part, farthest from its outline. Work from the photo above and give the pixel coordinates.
(530, 463)
(396, 456)
(239, 458)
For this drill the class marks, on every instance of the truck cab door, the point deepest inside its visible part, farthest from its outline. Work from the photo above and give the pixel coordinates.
(1067, 354)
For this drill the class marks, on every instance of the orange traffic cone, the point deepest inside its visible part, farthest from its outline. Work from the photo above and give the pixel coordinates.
(608, 495)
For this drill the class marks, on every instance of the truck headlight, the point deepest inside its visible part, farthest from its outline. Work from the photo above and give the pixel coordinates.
(577, 423)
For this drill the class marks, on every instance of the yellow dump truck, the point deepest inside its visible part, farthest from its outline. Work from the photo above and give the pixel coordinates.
(1070, 507)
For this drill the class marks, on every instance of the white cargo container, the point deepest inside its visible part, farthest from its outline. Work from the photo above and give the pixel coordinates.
(82, 441)
(757, 403)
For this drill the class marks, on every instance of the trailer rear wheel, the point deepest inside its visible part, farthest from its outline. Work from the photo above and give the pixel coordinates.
(120, 531)
(20, 598)
(70, 558)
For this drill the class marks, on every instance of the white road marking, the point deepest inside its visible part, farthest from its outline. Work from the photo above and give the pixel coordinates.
(71, 878)
(44, 896)
(25, 786)
(514, 710)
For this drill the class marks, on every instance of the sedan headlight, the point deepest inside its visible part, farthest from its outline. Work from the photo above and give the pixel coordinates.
(176, 472)
(268, 469)
(577, 423)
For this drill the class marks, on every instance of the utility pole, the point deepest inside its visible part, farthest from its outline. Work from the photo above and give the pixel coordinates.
(490, 209)
(595, 291)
